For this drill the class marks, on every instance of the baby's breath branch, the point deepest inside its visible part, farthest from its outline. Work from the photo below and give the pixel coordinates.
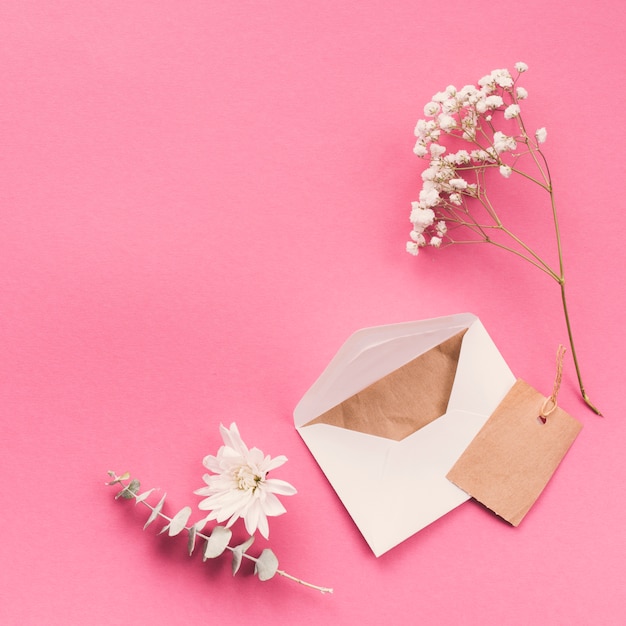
(472, 116)
(130, 491)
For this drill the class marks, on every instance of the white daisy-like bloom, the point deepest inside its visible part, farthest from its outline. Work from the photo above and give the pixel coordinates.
(239, 486)
(541, 134)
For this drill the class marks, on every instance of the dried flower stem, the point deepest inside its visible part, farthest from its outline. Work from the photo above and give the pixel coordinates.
(446, 193)
(128, 493)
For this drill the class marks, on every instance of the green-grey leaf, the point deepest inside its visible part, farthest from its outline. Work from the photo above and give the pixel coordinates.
(130, 490)
(155, 512)
(237, 558)
(143, 496)
(217, 542)
(191, 544)
(266, 565)
(179, 521)
(238, 552)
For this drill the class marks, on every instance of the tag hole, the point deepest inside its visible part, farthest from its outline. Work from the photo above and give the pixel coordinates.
(541, 420)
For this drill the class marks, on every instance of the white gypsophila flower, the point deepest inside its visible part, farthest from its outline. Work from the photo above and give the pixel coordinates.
(418, 237)
(521, 67)
(446, 122)
(502, 78)
(505, 170)
(458, 183)
(420, 149)
(436, 150)
(462, 157)
(522, 94)
(493, 102)
(429, 195)
(432, 109)
(441, 228)
(541, 134)
(239, 486)
(412, 248)
(435, 242)
(502, 142)
(451, 105)
(511, 111)
(455, 198)
(421, 217)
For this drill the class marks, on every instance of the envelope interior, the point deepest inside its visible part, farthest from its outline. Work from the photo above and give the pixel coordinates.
(404, 400)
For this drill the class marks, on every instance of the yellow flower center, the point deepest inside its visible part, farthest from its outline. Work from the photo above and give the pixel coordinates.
(246, 478)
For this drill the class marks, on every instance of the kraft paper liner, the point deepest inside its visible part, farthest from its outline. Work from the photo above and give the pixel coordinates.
(403, 401)
(514, 455)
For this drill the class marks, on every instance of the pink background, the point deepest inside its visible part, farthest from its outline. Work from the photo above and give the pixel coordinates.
(200, 201)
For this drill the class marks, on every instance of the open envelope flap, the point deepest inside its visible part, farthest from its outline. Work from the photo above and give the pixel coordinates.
(371, 353)
(482, 376)
(393, 489)
(404, 400)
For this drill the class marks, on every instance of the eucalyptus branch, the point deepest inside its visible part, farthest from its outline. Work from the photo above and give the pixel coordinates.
(215, 543)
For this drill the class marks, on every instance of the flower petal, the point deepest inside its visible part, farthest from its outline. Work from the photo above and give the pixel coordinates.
(272, 506)
(282, 487)
(275, 462)
(232, 438)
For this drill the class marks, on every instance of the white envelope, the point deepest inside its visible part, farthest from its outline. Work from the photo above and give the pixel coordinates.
(392, 489)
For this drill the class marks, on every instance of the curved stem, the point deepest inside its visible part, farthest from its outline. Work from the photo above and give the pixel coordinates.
(571, 343)
(563, 296)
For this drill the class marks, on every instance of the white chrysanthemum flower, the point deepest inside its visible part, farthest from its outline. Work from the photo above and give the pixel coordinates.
(505, 170)
(239, 486)
(521, 67)
(541, 134)
(511, 111)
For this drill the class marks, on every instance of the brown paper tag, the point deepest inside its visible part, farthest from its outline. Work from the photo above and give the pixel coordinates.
(405, 400)
(514, 455)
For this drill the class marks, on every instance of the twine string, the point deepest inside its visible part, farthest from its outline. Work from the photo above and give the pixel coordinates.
(550, 405)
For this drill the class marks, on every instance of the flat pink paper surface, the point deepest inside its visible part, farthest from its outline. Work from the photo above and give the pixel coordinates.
(199, 201)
